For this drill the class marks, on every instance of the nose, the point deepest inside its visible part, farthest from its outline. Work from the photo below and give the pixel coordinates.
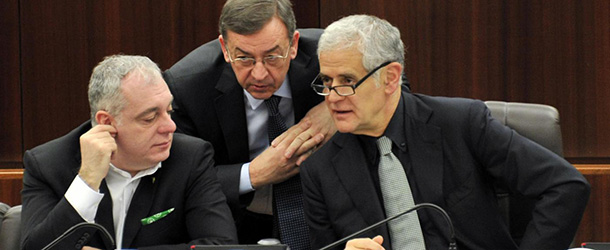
(259, 72)
(334, 97)
(167, 124)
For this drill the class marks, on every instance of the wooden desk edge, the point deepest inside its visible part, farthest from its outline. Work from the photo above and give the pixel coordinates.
(16, 173)
(583, 168)
(593, 168)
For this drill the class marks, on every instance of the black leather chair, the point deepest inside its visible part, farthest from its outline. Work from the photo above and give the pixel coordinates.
(10, 230)
(539, 123)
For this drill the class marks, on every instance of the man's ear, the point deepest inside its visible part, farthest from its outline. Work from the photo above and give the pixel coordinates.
(295, 44)
(393, 73)
(103, 117)
(223, 45)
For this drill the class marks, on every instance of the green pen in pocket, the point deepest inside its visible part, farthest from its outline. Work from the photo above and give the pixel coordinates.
(156, 217)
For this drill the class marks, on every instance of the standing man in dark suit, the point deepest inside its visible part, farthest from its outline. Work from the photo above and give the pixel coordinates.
(448, 151)
(126, 171)
(221, 92)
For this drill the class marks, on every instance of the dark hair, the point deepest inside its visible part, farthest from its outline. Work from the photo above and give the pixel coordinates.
(246, 17)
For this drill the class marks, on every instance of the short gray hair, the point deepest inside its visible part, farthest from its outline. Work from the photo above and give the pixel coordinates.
(246, 17)
(375, 38)
(105, 83)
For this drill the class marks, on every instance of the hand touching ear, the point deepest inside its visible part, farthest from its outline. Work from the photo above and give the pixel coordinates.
(96, 147)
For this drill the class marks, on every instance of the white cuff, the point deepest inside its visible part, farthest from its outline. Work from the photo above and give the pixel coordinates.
(245, 186)
(83, 199)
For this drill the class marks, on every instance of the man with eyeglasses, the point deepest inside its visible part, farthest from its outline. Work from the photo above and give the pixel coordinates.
(395, 149)
(222, 91)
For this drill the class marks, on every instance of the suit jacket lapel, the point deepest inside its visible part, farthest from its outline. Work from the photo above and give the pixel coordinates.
(83, 128)
(351, 167)
(232, 119)
(302, 69)
(425, 150)
(139, 208)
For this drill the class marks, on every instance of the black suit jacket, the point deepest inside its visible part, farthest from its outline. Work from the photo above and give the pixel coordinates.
(186, 182)
(457, 152)
(209, 104)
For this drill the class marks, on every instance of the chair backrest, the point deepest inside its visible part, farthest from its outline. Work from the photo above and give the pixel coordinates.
(539, 123)
(10, 231)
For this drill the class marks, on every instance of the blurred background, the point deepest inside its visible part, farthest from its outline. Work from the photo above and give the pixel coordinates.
(554, 52)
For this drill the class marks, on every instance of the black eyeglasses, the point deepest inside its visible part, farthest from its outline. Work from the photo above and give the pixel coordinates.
(272, 61)
(343, 90)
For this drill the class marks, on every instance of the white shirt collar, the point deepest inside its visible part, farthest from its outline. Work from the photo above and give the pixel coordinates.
(115, 172)
(283, 91)
(122, 187)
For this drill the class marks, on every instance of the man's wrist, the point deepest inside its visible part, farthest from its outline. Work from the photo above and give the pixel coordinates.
(88, 179)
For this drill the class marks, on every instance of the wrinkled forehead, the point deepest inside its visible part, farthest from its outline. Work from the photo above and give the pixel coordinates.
(342, 60)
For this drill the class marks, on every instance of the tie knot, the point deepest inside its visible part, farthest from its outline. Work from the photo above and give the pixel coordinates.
(385, 145)
(272, 104)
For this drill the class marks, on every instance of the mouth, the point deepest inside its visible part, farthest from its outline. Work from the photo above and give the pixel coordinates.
(260, 87)
(340, 113)
(163, 144)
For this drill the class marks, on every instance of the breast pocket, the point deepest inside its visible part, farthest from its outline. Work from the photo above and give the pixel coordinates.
(164, 228)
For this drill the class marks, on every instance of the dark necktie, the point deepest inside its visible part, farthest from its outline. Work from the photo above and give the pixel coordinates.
(405, 232)
(287, 195)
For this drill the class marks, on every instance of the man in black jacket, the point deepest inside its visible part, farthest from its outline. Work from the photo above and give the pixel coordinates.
(220, 92)
(126, 171)
(395, 149)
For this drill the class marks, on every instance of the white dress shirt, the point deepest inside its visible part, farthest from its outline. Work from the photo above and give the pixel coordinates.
(121, 186)
(257, 116)
(258, 140)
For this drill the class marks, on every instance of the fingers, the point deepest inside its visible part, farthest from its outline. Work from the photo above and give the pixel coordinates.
(294, 131)
(89, 248)
(271, 167)
(304, 142)
(310, 145)
(322, 128)
(303, 157)
(97, 148)
(313, 130)
(294, 138)
(100, 139)
(365, 243)
(378, 239)
(102, 128)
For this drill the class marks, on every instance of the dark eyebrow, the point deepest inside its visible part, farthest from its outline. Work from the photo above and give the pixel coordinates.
(273, 49)
(248, 53)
